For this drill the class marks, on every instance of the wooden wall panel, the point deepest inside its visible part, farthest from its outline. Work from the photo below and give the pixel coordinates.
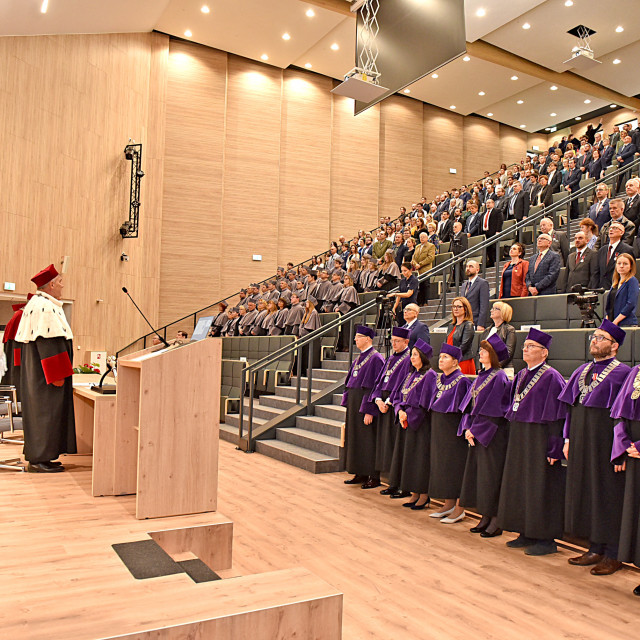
(193, 179)
(354, 168)
(513, 144)
(537, 140)
(69, 105)
(251, 172)
(305, 161)
(400, 154)
(480, 149)
(442, 150)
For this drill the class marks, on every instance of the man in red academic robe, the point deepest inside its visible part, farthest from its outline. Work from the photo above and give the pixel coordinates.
(12, 349)
(48, 420)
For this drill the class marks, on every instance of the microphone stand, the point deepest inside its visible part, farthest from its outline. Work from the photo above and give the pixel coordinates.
(166, 344)
(105, 389)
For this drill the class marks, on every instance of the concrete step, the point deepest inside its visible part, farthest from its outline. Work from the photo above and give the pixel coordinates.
(325, 426)
(340, 365)
(328, 374)
(331, 411)
(234, 421)
(290, 392)
(228, 433)
(319, 382)
(298, 456)
(318, 442)
(344, 356)
(261, 409)
(337, 399)
(278, 402)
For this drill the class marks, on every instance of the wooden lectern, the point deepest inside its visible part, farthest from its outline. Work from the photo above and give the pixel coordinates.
(166, 430)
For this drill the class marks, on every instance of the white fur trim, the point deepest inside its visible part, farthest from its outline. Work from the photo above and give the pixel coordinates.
(43, 317)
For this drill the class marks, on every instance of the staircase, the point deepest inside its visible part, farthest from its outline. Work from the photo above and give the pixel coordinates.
(313, 443)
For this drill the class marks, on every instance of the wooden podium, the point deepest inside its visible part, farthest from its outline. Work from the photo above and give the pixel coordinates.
(166, 430)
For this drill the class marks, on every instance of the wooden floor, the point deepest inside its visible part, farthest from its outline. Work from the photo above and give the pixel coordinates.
(403, 574)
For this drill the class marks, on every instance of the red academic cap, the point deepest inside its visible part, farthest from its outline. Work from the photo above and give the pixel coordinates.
(44, 276)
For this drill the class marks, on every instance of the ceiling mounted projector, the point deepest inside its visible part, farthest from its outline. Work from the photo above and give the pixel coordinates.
(359, 86)
(582, 56)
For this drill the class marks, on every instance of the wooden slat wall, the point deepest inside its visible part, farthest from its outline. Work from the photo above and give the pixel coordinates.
(69, 105)
(305, 176)
(443, 149)
(513, 144)
(354, 168)
(481, 151)
(400, 154)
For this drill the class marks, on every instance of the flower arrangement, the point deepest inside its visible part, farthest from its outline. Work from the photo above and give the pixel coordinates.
(87, 368)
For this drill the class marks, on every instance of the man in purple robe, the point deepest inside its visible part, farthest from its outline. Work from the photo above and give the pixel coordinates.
(532, 493)
(595, 487)
(360, 428)
(391, 376)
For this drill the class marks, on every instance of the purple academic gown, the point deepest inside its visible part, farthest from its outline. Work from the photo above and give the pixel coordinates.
(485, 461)
(532, 492)
(360, 439)
(626, 414)
(411, 453)
(593, 506)
(448, 449)
(392, 374)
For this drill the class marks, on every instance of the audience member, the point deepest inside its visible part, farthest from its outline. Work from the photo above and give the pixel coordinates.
(544, 268)
(559, 240)
(581, 263)
(608, 255)
(462, 332)
(501, 314)
(622, 299)
(476, 290)
(514, 272)
(616, 210)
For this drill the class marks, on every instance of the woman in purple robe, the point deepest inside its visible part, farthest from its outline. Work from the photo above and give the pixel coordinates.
(626, 453)
(487, 433)
(448, 449)
(411, 453)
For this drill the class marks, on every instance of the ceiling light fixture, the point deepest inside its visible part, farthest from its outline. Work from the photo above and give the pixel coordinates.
(286, 36)
(553, 115)
(481, 93)
(466, 59)
(434, 76)
(489, 114)
(526, 25)
(617, 61)
(568, 3)
(310, 13)
(619, 29)
(481, 13)
(547, 128)
(587, 101)
(44, 6)
(407, 91)
(553, 87)
(188, 33)
(264, 56)
(205, 9)
(453, 106)
(514, 77)
(613, 106)
(522, 126)
(578, 118)
(308, 65)
(520, 102)
(335, 46)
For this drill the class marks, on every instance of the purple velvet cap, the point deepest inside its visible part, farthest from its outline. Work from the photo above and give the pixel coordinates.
(542, 338)
(454, 352)
(425, 347)
(499, 347)
(613, 330)
(365, 331)
(400, 332)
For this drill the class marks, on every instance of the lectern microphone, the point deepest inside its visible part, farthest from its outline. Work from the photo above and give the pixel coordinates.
(166, 344)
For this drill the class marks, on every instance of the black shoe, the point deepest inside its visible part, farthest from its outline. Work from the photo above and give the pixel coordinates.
(356, 480)
(493, 534)
(521, 542)
(400, 494)
(419, 507)
(389, 491)
(371, 483)
(636, 591)
(43, 467)
(55, 463)
(478, 529)
(409, 504)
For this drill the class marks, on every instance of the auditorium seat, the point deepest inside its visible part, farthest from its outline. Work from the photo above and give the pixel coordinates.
(230, 387)
(551, 312)
(329, 341)
(524, 310)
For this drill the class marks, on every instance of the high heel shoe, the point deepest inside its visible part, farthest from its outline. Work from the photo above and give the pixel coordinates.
(441, 514)
(419, 507)
(493, 534)
(409, 504)
(450, 520)
(479, 528)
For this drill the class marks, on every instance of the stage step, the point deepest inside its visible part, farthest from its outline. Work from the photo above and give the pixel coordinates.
(330, 411)
(317, 442)
(317, 424)
(298, 456)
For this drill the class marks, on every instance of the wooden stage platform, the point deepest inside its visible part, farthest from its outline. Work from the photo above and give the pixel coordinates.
(404, 575)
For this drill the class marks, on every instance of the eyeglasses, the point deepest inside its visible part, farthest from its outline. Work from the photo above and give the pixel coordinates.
(599, 338)
(531, 346)
(457, 306)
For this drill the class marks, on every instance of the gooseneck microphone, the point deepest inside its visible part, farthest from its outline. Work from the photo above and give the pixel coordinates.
(166, 344)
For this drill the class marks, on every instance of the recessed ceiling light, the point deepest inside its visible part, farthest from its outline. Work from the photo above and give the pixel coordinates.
(587, 101)
(308, 65)
(407, 91)
(264, 56)
(568, 3)
(453, 106)
(44, 6)
(188, 33)
(481, 13)
(613, 106)
(205, 9)
(553, 87)
(335, 46)
(481, 93)
(310, 13)
(489, 114)
(619, 29)
(466, 59)
(578, 118)
(526, 25)
(617, 61)
(547, 128)
(522, 126)
(286, 36)
(434, 76)
(520, 102)
(514, 77)
(553, 115)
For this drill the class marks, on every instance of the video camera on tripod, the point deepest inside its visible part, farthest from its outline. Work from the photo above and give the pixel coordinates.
(586, 301)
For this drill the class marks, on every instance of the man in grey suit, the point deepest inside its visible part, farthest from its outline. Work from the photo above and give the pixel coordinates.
(581, 263)
(476, 290)
(544, 268)
(559, 240)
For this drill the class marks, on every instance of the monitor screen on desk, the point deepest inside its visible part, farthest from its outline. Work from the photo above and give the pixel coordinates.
(202, 328)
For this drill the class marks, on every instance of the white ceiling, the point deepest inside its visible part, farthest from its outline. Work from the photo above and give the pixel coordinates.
(253, 28)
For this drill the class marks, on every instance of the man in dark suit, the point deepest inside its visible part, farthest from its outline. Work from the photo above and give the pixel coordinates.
(632, 204)
(491, 224)
(606, 155)
(559, 240)
(607, 256)
(625, 157)
(472, 226)
(445, 227)
(616, 209)
(519, 202)
(459, 244)
(544, 268)
(554, 177)
(534, 188)
(501, 201)
(476, 290)
(599, 210)
(571, 182)
(580, 263)
(419, 330)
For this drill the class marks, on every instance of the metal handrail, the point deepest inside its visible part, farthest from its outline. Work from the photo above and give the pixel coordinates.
(195, 314)
(441, 269)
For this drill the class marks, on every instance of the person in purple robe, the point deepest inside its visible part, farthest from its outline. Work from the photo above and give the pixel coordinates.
(391, 376)
(411, 453)
(487, 432)
(360, 428)
(532, 492)
(626, 452)
(448, 449)
(595, 487)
